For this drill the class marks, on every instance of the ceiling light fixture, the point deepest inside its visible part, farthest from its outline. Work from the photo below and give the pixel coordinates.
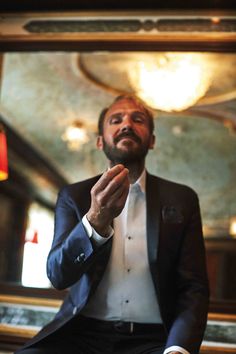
(167, 81)
(172, 82)
(75, 135)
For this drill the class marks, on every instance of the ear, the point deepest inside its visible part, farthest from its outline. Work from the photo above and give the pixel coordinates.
(152, 142)
(99, 142)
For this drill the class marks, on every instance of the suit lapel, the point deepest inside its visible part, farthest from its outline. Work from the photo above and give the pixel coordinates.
(153, 218)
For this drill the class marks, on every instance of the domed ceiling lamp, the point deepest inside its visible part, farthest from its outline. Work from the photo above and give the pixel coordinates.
(3, 155)
(167, 81)
(171, 83)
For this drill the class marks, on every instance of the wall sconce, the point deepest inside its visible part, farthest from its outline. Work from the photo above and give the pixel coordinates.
(3, 155)
(232, 227)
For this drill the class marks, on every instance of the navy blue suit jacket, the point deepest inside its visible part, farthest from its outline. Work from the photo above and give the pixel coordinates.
(175, 250)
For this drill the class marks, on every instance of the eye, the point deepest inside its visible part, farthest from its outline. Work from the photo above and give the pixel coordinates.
(116, 119)
(138, 118)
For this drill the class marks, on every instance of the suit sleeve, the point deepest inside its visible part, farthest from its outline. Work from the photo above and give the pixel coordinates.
(72, 250)
(188, 327)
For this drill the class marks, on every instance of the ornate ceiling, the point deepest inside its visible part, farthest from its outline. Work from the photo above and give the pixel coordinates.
(42, 93)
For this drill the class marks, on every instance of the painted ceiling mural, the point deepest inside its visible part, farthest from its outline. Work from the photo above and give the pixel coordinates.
(43, 93)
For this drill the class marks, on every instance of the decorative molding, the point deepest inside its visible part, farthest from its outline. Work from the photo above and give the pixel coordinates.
(132, 25)
(87, 26)
(199, 30)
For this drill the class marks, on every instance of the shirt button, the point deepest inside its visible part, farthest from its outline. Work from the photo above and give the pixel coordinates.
(128, 270)
(129, 237)
(127, 301)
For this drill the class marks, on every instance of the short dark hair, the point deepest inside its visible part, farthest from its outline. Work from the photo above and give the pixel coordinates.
(129, 97)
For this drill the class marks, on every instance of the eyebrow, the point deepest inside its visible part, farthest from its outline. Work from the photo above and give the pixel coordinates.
(122, 113)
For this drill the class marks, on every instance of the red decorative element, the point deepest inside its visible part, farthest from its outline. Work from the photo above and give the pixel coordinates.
(35, 237)
(3, 156)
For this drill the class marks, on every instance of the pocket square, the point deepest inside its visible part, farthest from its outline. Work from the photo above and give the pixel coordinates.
(172, 214)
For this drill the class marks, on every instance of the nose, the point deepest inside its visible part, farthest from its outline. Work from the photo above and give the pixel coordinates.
(127, 124)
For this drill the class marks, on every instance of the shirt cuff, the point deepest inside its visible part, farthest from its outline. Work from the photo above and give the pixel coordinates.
(93, 233)
(176, 348)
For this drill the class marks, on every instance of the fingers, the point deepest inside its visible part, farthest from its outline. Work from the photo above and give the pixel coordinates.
(108, 197)
(113, 204)
(109, 175)
(112, 180)
(121, 199)
(115, 197)
(118, 181)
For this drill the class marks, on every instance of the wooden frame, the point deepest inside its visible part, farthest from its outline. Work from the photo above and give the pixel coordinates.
(15, 37)
(20, 300)
(12, 336)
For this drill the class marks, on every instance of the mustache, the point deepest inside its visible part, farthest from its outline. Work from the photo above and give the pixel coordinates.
(129, 134)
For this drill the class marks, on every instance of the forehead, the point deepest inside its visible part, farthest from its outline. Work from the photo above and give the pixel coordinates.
(125, 105)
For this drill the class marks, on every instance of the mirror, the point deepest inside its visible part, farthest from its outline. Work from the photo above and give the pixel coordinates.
(44, 93)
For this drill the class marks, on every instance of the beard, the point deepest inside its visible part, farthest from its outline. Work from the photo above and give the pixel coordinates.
(125, 156)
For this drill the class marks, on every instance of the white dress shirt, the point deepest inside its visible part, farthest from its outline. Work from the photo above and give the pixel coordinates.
(126, 291)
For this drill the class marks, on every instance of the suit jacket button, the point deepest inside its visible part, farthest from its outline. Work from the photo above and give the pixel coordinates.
(74, 310)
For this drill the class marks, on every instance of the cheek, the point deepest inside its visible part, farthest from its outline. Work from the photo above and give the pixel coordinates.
(143, 132)
(108, 138)
(111, 133)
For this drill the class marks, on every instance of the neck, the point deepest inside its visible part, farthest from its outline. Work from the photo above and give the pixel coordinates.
(135, 169)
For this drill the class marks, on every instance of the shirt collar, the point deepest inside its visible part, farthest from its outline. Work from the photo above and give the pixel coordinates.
(142, 180)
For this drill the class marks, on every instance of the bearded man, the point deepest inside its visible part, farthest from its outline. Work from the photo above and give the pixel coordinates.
(129, 246)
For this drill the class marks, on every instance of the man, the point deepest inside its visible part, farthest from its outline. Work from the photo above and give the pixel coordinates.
(136, 272)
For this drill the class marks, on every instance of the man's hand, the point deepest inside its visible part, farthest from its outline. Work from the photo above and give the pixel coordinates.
(108, 197)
